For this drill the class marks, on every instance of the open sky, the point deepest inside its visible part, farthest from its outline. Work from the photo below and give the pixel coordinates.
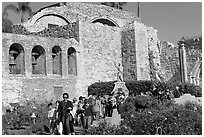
(172, 19)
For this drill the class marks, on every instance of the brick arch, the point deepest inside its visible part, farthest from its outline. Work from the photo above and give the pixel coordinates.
(44, 13)
(16, 59)
(51, 14)
(105, 20)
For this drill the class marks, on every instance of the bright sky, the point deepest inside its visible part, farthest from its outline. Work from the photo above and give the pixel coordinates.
(172, 19)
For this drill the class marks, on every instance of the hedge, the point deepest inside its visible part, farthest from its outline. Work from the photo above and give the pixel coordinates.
(191, 89)
(142, 86)
(174, 119)
(134, 87)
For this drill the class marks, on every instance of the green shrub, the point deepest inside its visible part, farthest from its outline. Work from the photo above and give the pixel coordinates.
(134, 87)
(180, 120)
(106, 129)
(101, 88)
(15, 120)
(191, 89)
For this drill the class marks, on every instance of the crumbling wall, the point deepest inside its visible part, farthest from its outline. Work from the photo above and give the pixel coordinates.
(128, 53)
(66, 31)
(141, 47)
(170, 62)
(154, 55)
(101, 48)
(193, 52)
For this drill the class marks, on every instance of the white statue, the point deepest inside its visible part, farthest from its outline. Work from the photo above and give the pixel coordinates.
(119, 68)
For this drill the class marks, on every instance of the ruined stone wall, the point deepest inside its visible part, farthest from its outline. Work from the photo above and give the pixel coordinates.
(170, 61)
(19, 87)
(192, 54)
(128, 53)
(141, 47)
(154, 54)
(101, 45)
(66, 31)
(75, 11)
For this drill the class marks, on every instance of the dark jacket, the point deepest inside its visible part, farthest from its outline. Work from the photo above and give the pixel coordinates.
(88, 110)
(63, 108)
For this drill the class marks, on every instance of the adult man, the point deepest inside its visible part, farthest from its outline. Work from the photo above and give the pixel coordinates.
(65, 116)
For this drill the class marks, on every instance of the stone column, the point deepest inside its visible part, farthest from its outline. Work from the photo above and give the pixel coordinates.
(183, 67)
(64, 62)
(49, 67)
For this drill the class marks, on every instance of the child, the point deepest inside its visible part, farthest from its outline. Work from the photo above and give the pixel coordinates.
(88, 112)
(79, 112)
(51, 111)
(53, 118)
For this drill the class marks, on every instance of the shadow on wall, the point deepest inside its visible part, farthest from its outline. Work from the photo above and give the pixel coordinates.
(175, 79)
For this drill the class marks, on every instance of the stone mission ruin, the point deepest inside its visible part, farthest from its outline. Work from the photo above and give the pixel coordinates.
(68, 46)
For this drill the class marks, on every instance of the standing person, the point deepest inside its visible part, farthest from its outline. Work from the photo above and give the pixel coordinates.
(56, 129)
(80, 111)
(103, 105)
(65, 116)
(50, 116)
(75, 104)
(109, 109)
(88, 112)
(177, 93)
(96, 108)
(58, 123)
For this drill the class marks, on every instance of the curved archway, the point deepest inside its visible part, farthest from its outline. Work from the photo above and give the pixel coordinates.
(57, 60)
(105, 21)
(56, 15)
(16, 59)
(72, 61)
(38, 60)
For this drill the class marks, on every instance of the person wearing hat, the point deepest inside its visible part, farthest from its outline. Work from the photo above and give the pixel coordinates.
(64, 115)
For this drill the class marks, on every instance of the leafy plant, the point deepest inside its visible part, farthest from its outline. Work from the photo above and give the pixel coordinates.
(191, 89)
(173, 118)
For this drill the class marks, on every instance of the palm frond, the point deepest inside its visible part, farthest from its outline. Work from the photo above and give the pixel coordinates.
(4, 14)
(12, 7)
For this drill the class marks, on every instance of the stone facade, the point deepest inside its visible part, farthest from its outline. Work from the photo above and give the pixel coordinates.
(170, 62)
(99, 36)
(170, 59)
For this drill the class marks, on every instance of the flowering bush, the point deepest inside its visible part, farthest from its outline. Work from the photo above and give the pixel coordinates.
(22, 117)
(191, 89)
(174, 119)
(106, 129)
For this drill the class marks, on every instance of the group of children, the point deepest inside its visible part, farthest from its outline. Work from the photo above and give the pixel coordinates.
(85, 111)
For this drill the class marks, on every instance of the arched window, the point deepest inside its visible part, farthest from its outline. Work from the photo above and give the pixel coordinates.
(105, 22)
(16, 59)
(38, 60)
(57, 60)
(72, 64)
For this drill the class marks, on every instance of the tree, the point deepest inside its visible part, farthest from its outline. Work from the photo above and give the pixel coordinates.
(22, 8)
(117, 5)
(6, 25)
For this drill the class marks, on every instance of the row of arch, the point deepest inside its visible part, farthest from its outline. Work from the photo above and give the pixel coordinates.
(105, 21)
(38, 60)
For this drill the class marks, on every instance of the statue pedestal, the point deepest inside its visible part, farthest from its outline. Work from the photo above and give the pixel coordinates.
(120, 87)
